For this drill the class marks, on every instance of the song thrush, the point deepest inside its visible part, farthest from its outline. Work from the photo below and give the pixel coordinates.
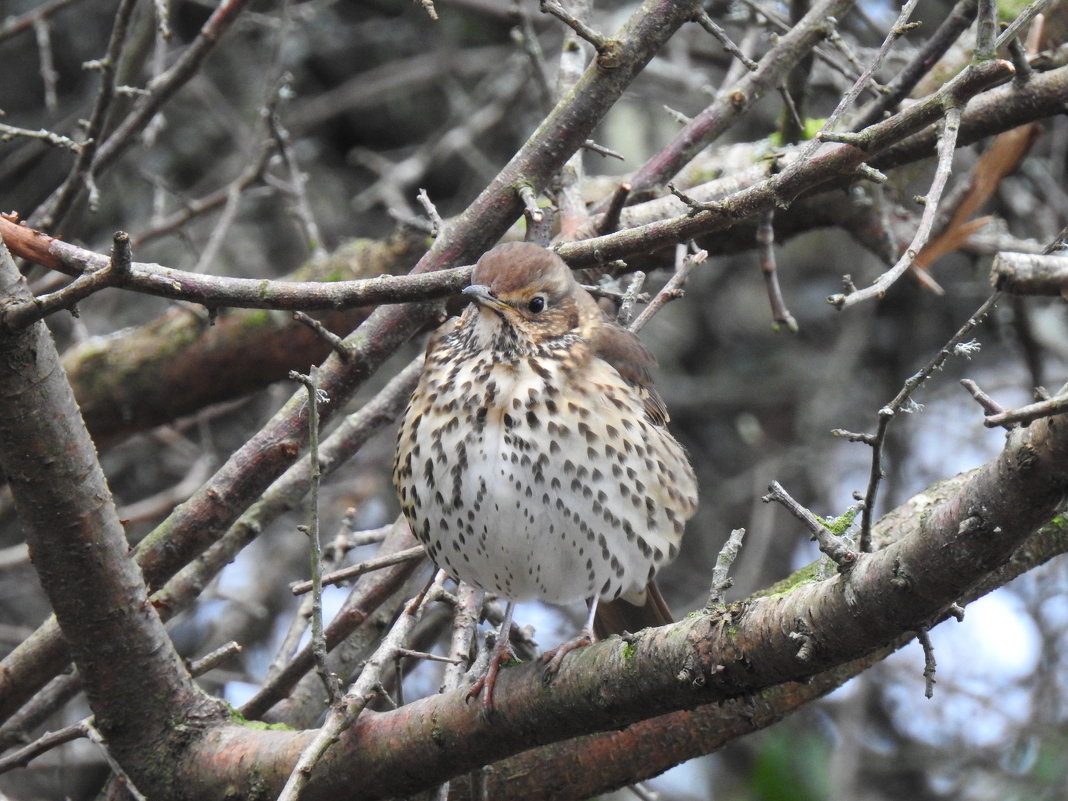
(533, 459)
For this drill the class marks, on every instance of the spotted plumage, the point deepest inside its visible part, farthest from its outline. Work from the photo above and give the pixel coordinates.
(533, 459)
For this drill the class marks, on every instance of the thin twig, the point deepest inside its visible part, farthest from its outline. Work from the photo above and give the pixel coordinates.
(436, 223)
(929, 664)
(49, 76)
(530, 202)
(990, 406)
(57, 205)
(8, 132)
(358, 569)
(1013, 29)
(602, 44)
(672, 289)
(721, 36)
(721, 579)
(297, 178)
(609, 221)
(839, 549)
(947, 145)
(765, 238)
(95, 736)
(336, 343)
(900, 26)
(1028, 414)
(899, 404)
(318, 639)
(986, 25)
(212, 660)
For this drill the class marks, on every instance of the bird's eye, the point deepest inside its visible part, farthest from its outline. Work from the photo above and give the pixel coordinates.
(537, 304)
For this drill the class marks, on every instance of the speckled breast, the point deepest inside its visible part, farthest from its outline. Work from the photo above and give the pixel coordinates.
(523, 481)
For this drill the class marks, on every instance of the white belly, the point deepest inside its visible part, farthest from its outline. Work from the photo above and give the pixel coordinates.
(522, 493)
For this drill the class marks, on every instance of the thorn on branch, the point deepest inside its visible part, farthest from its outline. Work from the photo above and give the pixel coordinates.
(695, 206)
(530, 203)
(589, 144)
(929, 664)
(705, 21)
(610, 221)
(336, 343)
(677, 115)
(872, 174)
(990, 406)
(604, 46)
(436, 223)
(721, 580)
(852, 436)
(837, 547)
(672, 290)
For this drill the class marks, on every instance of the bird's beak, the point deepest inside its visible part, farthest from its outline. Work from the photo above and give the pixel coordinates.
(482, 295)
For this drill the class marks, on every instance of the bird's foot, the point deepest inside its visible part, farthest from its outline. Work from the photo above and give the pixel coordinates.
(501, 654)
(487, 682)
(554, 656)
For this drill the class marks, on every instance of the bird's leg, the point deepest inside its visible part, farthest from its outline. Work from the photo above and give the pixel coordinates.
(502, 652)
(555, 656)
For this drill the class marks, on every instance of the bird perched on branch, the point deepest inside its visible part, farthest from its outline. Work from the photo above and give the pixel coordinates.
(533, 460)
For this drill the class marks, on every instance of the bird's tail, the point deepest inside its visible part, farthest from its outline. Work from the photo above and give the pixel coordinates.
(632, 614)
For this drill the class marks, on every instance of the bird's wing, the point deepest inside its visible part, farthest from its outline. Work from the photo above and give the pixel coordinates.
(632, 360)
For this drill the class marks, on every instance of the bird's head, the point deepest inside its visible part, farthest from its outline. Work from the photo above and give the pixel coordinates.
(527, 294)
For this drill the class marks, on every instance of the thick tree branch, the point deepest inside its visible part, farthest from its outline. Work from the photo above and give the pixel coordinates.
(953, 537)
(79, 549)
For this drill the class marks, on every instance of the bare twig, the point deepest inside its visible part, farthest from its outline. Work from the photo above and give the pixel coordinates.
(986, 25)
(49, 76)
(1012, 30)
(684, 265)
(899, 404)
(530, 202)
(358, 569)
(947, 145)
(436, 223)
(1029, 413)
(721, 579)
(1030, 273)
(838, 548)
(212, 660)
(127, 783)
(780, 315)
(318, 640)
(929, 664)
(50, 137)
(721, 36)
(217, 291)
(337, 344)
(610, 219)
(905, 80)
(990, 406)
(900, 26)
(601, 43)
